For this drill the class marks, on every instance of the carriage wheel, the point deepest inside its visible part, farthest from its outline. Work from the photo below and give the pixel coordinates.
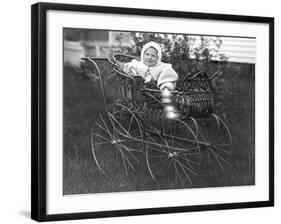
(126, 122)
(215, 137)
(172, 153)
(115, 144)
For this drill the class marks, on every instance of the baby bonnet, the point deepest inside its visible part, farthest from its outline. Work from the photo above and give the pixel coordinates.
(154, 45)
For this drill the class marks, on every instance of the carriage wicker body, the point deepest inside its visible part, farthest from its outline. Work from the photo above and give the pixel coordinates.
(136, 128)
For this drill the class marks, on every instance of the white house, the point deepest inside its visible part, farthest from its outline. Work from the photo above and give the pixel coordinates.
(242, 50)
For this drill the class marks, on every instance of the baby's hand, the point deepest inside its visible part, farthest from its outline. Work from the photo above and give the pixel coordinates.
(148, 79)
(132, 70)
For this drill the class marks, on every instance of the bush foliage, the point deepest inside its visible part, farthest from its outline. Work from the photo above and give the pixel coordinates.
(185, 52)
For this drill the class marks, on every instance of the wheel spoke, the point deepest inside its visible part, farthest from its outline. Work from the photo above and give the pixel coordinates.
(154, 142)
(124, 164)
(104, 138)
(190, 161)
(176, 169)
(130, 124)
(159, 150)
(187, 168)
(159, 162)
(108, 131)
(102, 143)
(221, 158)
(184, 171)
(222, 150)
(217, 159)
(158, 156)
(129, 151)
(105, 129)
(120, 126)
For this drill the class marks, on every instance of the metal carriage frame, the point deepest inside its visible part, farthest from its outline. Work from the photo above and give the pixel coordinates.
(136, 129)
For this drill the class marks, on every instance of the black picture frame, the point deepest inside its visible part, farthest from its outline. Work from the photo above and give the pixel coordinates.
(39, 110)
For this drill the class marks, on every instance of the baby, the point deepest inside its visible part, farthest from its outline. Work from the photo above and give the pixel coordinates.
(151, 68)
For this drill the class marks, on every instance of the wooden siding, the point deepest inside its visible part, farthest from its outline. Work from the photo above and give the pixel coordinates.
(242, 50)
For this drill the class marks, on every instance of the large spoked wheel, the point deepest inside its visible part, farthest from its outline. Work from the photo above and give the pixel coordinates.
(116, 143)
(172, 153)
(214, 136)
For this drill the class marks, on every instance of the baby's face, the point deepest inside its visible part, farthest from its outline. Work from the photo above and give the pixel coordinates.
(150, 57)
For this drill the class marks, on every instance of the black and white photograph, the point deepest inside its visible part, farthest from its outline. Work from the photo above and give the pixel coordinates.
(145, 111)
(142, 111)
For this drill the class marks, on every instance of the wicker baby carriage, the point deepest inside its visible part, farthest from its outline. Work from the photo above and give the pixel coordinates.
(136, 128)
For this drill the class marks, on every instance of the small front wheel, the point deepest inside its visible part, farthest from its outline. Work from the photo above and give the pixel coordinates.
(112, 149)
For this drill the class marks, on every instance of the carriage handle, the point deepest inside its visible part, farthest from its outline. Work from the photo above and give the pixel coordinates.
(111, 57)
(210, 77)
(216, 75)
(115, 64)
(116, 68)
(92, 60)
